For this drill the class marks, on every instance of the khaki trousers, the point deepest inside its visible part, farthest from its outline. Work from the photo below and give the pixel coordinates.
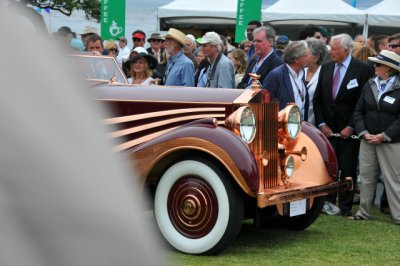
(385, 157)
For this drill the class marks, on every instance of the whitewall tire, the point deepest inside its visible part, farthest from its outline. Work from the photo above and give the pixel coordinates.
(197, 208)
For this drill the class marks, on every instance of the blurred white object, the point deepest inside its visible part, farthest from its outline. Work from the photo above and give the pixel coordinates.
(65, 199)
(330, 208)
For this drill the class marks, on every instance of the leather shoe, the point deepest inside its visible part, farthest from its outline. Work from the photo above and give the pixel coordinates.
(346, 213)
(386, 210)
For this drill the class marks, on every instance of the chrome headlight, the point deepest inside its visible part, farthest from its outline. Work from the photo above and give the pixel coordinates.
(289, 166)
(290, 117)
(247, 125)
(243, 123)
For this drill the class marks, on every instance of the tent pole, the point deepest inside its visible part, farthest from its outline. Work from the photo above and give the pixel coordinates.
(365, 29)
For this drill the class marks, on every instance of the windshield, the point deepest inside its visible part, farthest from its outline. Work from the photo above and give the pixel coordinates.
(99, 67)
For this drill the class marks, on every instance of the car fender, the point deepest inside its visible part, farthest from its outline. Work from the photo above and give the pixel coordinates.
(203, 136)
(324, 146)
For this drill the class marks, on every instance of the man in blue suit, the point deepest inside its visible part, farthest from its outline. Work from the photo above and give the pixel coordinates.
(286, 82)
(265, 58)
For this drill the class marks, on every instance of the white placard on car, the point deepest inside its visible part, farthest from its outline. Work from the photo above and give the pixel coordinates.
(297, 207)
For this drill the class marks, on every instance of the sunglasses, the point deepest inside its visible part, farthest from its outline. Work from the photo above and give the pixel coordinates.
(113, 50)
(136, 39)
(394, 46)
(377, 65)
(156, 40)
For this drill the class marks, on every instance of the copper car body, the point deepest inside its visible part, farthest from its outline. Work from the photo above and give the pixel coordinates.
(157, 127)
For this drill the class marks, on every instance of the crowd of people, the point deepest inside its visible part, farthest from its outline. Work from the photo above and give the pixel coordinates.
(347, 87)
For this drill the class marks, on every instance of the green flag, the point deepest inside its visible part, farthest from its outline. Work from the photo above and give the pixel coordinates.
(247, 10)
(112, 19)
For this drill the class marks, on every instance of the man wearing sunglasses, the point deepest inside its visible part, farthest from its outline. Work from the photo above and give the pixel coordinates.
(394, 43)
(155, 48)
(138, 39)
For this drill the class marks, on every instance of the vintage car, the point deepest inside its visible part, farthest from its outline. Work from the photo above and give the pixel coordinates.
(211, 158)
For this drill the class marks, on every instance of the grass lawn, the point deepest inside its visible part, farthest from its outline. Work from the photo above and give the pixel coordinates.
(331, 240)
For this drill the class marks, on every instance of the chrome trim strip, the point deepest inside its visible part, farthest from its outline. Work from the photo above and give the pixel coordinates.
(131, 130)
(122, 119)
(169, 101)
(137, 141)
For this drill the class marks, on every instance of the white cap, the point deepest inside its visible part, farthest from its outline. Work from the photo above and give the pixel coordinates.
(211, 37)
(191, 37)
(140, 50)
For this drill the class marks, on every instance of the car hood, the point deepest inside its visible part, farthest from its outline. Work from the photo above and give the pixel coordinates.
(172, 94)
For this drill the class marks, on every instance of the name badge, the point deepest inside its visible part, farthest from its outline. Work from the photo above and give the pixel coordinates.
(352, 84)
(389, 99)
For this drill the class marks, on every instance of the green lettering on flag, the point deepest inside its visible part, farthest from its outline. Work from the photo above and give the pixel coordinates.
(112, 19)
(247, 10)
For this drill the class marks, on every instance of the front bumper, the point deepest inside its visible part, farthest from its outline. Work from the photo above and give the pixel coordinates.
(280, 194)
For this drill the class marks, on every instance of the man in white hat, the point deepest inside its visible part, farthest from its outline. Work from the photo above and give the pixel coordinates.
(87, 32)
(221, 73)
(180, 69)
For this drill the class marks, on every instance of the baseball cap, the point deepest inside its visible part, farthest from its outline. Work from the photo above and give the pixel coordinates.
(323, 31)
(139, 50)
(282, 39)
(138, 35)
(210, 37)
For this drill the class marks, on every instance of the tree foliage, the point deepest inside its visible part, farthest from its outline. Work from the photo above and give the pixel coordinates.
(90, 7)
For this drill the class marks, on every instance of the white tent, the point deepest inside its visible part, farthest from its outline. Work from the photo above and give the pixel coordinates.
(384, 14)
(218, 13)
(332, 12)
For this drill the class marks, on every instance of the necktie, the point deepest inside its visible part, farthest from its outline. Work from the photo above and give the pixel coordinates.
(336, 81)
(383, 86)
(255, 69)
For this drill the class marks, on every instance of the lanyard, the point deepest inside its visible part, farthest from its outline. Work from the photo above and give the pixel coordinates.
(213, 68)
(297, 87)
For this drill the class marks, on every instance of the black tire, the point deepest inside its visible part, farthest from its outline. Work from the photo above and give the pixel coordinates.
(198, 208)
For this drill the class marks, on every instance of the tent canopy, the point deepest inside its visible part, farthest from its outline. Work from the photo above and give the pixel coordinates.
(333, 12)
(218, 13)
(384, 14)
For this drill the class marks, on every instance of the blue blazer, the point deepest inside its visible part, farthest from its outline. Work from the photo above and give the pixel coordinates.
(269, 64)
(280, 87)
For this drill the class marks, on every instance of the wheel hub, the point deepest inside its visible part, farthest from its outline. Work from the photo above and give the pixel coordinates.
(192, 207)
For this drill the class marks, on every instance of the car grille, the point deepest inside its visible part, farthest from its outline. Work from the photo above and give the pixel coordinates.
(265, 144)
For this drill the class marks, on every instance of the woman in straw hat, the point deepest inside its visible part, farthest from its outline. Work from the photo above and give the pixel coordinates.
(377, 120)
(141, 68)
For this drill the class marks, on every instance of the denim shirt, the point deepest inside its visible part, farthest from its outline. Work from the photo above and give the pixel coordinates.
(179, 71)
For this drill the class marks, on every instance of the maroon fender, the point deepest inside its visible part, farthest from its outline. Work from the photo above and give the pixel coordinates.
(217, 141)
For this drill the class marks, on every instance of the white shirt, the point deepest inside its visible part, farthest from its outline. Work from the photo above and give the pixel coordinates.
(123, 54)
(299, 89)
(378, 82)
(311, 86)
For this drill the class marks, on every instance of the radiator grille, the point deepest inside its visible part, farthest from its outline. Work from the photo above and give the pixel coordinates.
(266, 141)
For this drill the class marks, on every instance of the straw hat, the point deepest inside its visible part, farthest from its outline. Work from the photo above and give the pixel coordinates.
(176, 35)
(388, 58)
(90, 30)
